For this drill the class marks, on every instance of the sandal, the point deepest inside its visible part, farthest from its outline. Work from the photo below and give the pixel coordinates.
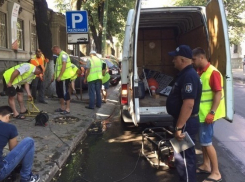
(59, 110)
(24, 112)
(19, 117)
(201, 171)
(65, 112)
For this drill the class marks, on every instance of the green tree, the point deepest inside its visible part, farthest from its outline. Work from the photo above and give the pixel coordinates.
(62, 5)
(117, 14)
(234, 10)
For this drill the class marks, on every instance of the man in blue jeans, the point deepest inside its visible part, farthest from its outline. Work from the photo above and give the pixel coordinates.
(22, 152)
(93, 76)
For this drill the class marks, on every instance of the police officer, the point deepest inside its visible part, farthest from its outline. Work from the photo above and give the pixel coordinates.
(183, 104)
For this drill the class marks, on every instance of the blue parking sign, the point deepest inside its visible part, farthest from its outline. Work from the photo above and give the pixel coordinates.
(76, 22)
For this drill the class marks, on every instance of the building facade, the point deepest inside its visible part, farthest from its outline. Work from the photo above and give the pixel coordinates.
(18, 35)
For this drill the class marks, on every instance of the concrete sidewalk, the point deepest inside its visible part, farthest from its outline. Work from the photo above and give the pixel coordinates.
(55, 142)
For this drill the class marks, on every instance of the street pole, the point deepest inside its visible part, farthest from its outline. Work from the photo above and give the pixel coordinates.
(104, 28)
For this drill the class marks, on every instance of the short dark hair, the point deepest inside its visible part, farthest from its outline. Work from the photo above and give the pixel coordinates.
(198, 51)
(38, 50)
(40, 67)
(4, 110)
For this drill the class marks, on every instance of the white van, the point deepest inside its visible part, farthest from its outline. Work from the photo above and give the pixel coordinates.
(150, 34)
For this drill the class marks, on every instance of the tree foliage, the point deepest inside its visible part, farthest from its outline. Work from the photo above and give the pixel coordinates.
(117, 14)
(62, 5)
(234, 10)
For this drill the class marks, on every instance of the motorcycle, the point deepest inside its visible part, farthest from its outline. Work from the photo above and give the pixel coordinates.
(115, 75)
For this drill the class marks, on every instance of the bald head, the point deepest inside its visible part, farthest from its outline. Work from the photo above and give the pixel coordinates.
(56, 50)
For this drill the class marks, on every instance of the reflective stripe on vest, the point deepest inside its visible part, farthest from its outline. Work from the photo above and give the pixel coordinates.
(74, 68)
(207, 96)
(107, 76)
(95, 69)
(68, 71)
(20, 79)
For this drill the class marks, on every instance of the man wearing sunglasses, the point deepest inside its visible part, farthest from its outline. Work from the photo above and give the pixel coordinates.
(22, 152)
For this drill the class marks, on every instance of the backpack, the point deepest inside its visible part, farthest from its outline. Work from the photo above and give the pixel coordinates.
(41, 119)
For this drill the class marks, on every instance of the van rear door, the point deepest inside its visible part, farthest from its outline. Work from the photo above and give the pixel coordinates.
(134, 101)
(220, 49)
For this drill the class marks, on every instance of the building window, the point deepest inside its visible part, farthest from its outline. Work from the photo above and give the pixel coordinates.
(33, 38)
(3, 32)
(235, 49)
(20, 36)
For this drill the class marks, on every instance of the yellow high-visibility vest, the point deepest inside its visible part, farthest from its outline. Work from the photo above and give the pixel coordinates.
(207, 96)
(95, 69)
(107, 75)
(74, 68)
(20, 79)
(68, 71)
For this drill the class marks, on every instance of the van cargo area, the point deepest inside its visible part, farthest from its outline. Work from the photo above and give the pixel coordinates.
(161, 31)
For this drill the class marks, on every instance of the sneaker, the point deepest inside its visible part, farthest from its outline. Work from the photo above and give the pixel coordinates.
(33, 178)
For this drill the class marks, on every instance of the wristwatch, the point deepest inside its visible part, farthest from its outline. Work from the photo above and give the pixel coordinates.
(177, 129)
(212, 112)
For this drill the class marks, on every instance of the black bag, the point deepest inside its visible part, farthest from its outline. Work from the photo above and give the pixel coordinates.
(41, 119)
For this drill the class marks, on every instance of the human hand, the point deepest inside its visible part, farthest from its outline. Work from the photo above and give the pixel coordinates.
(46, 60)
(85, 80)
(41, 77)
(179, 135)
(58, 79)
(209, 118)
(30, 98)
(9, 84)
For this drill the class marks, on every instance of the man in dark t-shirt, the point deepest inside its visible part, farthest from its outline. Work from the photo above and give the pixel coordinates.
(183, 104)
(22, 152)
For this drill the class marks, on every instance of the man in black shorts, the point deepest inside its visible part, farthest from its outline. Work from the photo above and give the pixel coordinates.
(62, 74)
(19, 77)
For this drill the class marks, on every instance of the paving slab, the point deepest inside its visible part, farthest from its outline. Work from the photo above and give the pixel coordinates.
(55, 142)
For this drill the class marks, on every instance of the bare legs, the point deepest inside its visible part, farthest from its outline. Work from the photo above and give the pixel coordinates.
(210, 162)
(62, 103)
(11, 101)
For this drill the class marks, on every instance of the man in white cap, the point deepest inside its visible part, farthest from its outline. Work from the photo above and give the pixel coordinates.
(93, 76)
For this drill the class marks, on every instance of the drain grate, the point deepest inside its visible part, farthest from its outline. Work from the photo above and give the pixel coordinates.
(66, 119)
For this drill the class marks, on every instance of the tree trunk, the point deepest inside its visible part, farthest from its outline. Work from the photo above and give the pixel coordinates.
(44, 40)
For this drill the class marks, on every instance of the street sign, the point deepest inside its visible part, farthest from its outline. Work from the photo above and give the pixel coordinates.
(76, 22)
(77, 38)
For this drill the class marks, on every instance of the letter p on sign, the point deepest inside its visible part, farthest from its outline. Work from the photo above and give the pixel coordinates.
(76, 18)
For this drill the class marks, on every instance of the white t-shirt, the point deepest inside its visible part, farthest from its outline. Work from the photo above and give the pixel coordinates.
(23, 69)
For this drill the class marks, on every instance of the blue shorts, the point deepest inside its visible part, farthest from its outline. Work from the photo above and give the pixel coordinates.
(206, 132)
(105, 85)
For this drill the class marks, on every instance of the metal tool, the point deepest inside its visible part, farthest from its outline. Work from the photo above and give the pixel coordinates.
(48, 85)
(156, 147)
(31, 108)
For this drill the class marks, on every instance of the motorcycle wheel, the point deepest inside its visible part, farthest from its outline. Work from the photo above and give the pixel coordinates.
(114, 82)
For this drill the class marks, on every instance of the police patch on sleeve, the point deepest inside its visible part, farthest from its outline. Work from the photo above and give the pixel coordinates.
(188, 88)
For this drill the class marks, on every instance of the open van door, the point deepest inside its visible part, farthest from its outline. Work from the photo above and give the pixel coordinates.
(219, 48)
(134, 104)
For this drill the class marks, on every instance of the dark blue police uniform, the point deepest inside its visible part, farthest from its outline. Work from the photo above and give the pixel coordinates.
(186, 86)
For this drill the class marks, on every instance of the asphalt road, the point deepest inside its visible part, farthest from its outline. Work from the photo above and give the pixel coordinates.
(113, 155)
(239, 98)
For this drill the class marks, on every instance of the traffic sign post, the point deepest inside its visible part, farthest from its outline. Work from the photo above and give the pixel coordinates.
(76, 22)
